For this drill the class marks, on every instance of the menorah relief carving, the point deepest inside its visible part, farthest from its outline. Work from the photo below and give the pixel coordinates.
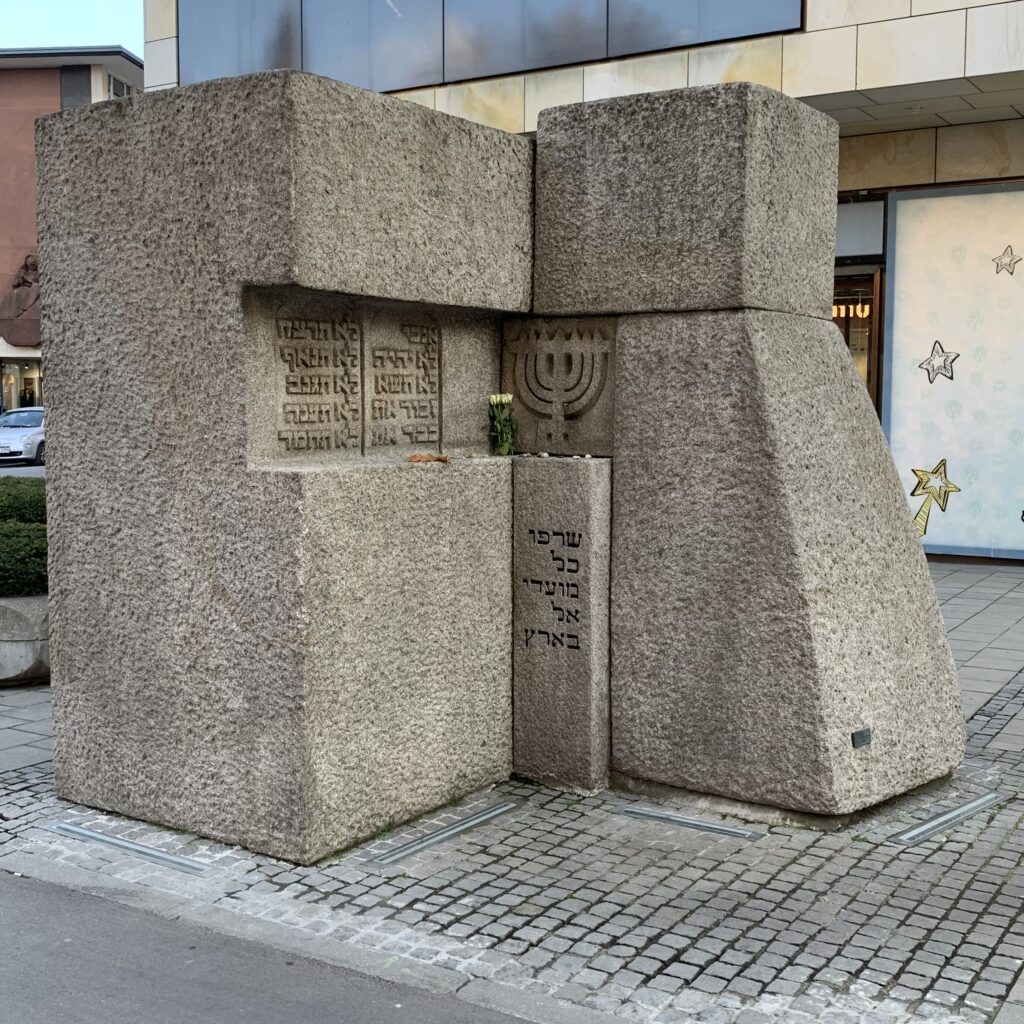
(560, 372)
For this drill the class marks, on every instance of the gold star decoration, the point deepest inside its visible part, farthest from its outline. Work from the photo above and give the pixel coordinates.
(1006, 260)
(934, 486)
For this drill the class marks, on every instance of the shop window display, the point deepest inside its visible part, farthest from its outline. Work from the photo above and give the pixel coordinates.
(21, 384)
(953, 394)
(856, 312)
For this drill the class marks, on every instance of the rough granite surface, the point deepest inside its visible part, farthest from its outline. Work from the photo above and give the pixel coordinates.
(207, 661)
(716, 197)
(561, 556)
(407, 575)
(404, 202)
(769, 593)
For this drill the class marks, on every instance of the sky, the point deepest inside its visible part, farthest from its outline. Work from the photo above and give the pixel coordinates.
(67, 23)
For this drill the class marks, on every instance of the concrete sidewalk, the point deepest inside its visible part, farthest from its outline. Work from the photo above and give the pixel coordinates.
(82, 959)
(565, 909)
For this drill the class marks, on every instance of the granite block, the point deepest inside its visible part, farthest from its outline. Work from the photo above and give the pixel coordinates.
(769, 593)
(716, 197)
(561, 555)
(406, 202)
(285, 647)
(409, 640)
(317, 183)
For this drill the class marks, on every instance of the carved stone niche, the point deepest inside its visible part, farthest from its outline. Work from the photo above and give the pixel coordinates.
(562, 374)
(337, 378)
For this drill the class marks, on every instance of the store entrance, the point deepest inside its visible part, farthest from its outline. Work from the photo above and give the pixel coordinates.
(21, 384)
(856, 310)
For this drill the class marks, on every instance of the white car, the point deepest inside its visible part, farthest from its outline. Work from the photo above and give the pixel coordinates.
(22, 435)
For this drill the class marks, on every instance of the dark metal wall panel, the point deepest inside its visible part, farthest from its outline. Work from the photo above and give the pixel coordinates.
(75, 86)
(728, 19)
(206, 40)
(234, 37)
(336, 40)
(406, 40)
(269, 34)
(639, 26)
(404, 44)
(564, 32)
(635, 26)
(483, 38)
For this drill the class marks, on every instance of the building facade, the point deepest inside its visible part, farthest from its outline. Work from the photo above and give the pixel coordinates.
(34, 83)
(929, 99)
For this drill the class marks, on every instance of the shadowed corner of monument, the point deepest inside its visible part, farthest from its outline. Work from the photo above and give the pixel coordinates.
(386, 635)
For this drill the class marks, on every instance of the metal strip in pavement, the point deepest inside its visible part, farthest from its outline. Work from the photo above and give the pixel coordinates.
(167, 860)
(933, 826)
(694, 823)
(446, 833)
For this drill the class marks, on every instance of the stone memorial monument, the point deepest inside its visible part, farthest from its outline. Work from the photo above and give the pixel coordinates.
(775, 635)
(269, 626)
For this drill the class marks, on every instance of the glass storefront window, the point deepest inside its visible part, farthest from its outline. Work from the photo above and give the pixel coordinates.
(21, 384)
(856, 310)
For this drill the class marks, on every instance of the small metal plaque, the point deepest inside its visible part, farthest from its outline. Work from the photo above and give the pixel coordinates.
(861, 738)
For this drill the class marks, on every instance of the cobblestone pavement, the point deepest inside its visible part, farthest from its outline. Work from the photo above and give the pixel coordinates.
(566, 896)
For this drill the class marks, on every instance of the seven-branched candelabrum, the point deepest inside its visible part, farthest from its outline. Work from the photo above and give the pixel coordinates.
(503, 427)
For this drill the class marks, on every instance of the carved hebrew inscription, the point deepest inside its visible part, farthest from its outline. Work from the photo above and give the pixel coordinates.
(363, 381)
(320, 403)
(560, 372)
(559, 589)
(404, 393)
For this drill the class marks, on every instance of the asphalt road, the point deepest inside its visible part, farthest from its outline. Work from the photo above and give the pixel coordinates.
(21, 469)
(68, 958)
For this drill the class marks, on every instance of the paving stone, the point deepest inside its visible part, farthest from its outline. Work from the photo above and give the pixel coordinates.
(903, 934)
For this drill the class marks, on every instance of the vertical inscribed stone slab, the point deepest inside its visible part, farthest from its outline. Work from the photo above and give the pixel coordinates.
(562, 374)
(561, 539)
(245, 640)
(717, 197)
(769, 594)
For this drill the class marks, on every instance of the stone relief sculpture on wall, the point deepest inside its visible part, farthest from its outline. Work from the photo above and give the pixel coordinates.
(19, 304)
(561, 373)
(21, 297)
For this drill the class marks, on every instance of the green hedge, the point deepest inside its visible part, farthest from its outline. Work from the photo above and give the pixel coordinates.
(22, 559)
(22, 536)
(22, 499)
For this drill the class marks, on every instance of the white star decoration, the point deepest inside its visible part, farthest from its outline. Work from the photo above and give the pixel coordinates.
(1006, 261)
(941, 361)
